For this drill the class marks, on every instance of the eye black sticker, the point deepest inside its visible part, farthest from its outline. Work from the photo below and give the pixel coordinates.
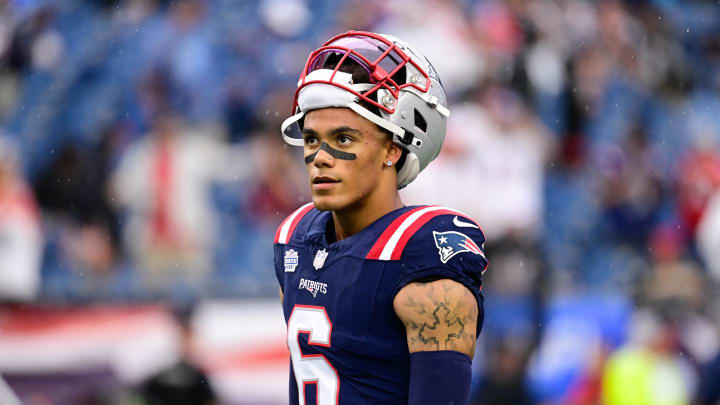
(337, 154)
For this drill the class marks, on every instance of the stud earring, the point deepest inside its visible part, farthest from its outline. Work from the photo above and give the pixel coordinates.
(389, 163)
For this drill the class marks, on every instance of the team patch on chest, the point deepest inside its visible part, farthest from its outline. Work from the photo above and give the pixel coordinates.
(313, 287)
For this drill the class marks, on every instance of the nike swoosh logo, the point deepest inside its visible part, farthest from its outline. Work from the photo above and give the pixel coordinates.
(461, 224)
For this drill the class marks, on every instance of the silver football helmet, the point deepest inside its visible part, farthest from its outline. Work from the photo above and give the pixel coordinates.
(403, 95)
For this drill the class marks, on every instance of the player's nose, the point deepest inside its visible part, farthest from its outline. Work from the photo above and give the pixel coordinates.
(323, 158)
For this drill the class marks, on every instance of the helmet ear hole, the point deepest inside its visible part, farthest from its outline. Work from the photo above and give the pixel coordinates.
(420, 122)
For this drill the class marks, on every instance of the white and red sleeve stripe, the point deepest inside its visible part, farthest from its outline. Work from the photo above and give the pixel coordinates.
(393, 240)
(287, 227)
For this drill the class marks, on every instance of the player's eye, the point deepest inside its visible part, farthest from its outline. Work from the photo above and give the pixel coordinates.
(311, 140)
(344, 140)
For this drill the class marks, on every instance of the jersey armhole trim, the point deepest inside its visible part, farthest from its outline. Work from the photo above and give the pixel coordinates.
(431, 273)
(287, 227)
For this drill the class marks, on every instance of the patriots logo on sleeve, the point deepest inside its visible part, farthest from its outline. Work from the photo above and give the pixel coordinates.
(451, 243)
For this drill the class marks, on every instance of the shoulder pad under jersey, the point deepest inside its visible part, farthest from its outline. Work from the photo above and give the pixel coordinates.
(286, 229)
(430, 230)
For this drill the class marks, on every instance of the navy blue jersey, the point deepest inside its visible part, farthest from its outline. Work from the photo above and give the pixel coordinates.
(346, 343)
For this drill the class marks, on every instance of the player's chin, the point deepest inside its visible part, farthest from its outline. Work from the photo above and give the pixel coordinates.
(328, 201)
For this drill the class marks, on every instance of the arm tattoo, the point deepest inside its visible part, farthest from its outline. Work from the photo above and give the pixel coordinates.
(440, 315)
(453, 329)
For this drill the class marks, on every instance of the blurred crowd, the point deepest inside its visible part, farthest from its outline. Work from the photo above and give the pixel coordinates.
(140, 158)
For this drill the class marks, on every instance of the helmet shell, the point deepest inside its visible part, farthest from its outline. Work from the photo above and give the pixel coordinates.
(404, 93)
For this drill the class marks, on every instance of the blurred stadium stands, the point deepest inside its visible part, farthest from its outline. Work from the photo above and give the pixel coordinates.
(140, 139)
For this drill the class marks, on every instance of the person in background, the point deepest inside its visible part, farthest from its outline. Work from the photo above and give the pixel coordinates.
(184, 382)
(649, 368)
(163, 184)
(21, 240)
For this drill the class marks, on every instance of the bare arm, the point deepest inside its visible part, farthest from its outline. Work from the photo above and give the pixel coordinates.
(439, 315)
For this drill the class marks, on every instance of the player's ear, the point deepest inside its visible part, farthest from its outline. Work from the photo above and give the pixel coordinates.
(392, 152)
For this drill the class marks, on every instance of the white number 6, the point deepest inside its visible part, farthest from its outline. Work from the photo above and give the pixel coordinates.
(312, 368)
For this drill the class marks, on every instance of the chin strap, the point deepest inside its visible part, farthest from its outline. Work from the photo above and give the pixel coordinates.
(365, 113)
(433, 101)
(287, 127)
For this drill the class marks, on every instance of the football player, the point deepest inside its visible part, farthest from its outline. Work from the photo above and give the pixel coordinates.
(382, 300)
